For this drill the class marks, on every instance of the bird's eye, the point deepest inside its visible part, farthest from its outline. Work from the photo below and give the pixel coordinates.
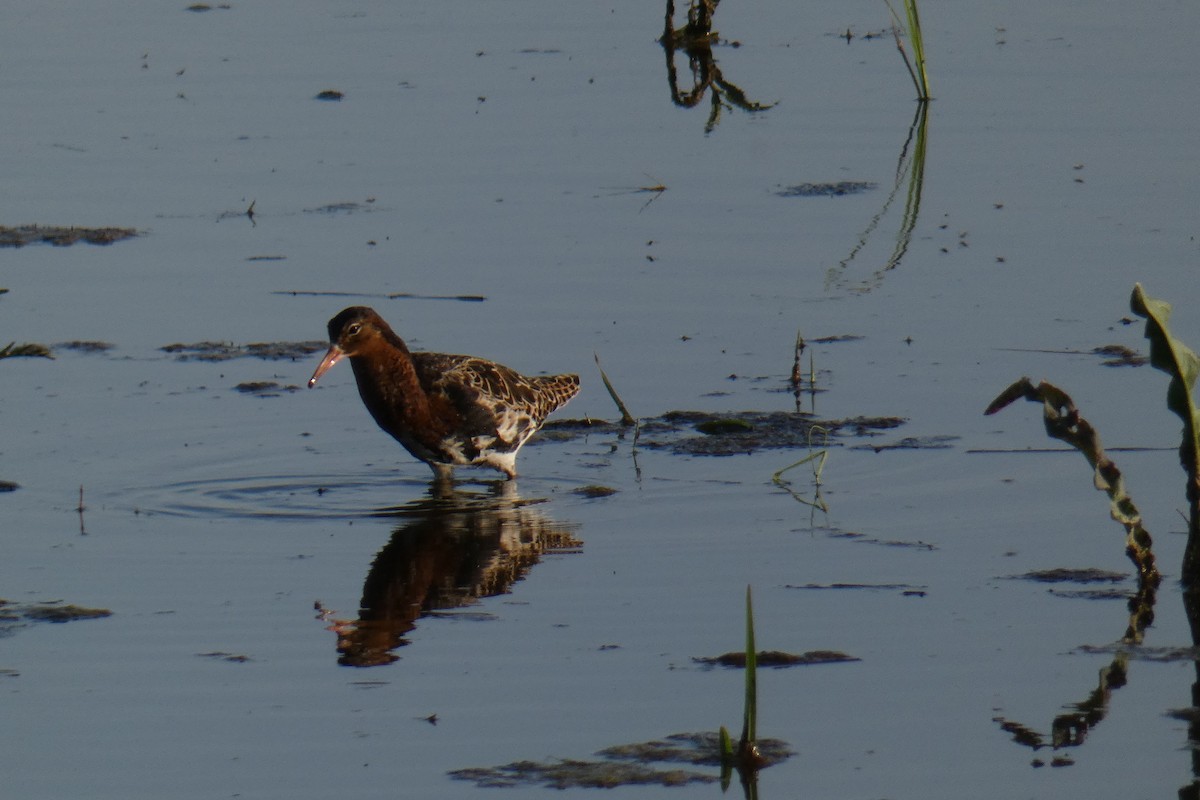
(354, 329)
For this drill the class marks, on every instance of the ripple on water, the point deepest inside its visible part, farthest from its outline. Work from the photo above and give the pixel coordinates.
(294, 496)
(319, 496)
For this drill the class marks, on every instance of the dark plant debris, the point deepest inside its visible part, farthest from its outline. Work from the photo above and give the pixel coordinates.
(1118, 355)
(58, 236)
(1162, 655)
(776, 658)
(622, 765)
(844, 337)
(893, 587)
(345, 207)
(702, 748)
(1067, 575)
(224, 351)
(862, 538)
(9, 486)
(234, 658)
(68, 613)
(11, 614)
(594, 491)
(85, 347)
(26, 350)
(827, 189)
(727, 433)
(937, 442)
(463, 298)
(1093, 594)
(330, 94)
(265, 388)
(572, 774)
(716, 427)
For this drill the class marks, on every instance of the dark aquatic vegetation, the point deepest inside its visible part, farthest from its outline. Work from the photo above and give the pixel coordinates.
(839, 189)
(15, 615)
(726, 433)
(224, 351)
(594, 491)
(935, 442)
(59, 236)
(265, 388)
(623, 765)
(776, 659)
(86, 346)
(233, 658)
(1064, 575)
(571, 774)
(25, 350)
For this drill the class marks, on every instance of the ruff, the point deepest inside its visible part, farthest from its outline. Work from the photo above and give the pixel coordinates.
(446, 410)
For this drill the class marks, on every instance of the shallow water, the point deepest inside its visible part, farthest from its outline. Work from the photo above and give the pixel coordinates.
(504, 154)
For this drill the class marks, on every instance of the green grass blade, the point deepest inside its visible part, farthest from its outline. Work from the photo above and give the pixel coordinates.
(750, 714)
(916, 67)
(918, 45)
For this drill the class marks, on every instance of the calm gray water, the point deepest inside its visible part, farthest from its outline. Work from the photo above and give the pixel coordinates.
(503, 151)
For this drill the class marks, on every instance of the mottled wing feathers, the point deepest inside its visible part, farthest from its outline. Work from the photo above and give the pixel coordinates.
(493, 399)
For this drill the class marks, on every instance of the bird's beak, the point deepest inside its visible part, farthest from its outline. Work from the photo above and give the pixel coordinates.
(333, 356)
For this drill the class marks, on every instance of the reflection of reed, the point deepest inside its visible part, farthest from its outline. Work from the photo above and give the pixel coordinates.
(1071, 729)
(449, 553)
(1191, 605)
(910, 166)
(696, 39)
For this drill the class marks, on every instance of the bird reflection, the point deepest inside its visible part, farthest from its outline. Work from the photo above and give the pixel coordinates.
(449, 550)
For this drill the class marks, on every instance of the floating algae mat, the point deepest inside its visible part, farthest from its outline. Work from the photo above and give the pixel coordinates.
(60, 236)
